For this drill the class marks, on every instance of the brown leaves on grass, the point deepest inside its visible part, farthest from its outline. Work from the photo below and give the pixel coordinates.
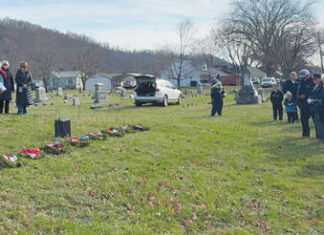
(260, 224)
(314, 221)
(186, 224)
(253, 204)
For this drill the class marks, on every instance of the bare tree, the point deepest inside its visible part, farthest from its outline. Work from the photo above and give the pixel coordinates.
(269, 26)
(208, 48)
(87, 60)
(177, 56)
(319, 38)
(232, 47)
(47, 61)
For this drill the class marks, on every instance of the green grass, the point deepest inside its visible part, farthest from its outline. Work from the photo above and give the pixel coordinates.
(237, 174)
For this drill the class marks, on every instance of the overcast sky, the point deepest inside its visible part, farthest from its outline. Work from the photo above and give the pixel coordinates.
(129, 24)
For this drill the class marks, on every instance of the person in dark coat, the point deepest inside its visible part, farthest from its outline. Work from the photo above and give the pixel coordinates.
(289, 85)
(23, 79)
(217, 94)
(303, 88)
(276, 98)
(314, 102)
(8, 82)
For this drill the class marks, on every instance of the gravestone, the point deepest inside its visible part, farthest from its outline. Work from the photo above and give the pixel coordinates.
(59, 91)
(100, 95)
(62, 128)
(76, 101)
(199, 88)
(123, 92)
(262, 95)
(247, 94)
(40, 95)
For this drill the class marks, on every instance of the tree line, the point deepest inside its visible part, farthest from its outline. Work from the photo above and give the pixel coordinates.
(277, 36)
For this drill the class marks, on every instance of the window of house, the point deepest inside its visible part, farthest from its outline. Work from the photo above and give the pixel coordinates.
(70, 81)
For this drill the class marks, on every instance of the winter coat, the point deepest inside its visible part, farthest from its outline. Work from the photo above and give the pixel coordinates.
(291, 87)
(316, 96)
(216, 95)
(22, 93)
(303, 89)
(276, 97)
(290, 105)
(8, 82)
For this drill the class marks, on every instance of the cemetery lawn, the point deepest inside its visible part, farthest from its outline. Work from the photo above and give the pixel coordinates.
(237, 174)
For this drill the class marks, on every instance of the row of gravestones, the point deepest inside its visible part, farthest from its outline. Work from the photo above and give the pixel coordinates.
(99, 95)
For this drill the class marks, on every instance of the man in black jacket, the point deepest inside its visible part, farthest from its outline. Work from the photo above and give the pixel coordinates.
(217, 94)
(290, 84)
(314, 102)
(276, 100)
(304, 87)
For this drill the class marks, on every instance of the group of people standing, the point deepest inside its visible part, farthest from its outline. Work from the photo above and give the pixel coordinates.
(305, 93)
(22, 80)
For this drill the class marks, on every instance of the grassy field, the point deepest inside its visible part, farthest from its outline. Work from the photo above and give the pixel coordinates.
(237, 174)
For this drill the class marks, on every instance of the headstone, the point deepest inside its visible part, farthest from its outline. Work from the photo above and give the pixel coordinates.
(76, 101)
(261, 94)
(67, 96)
(59, 91)
(123, 92)
(40, 95)
(247, 94)
(100, 95)
(199, 88)
(62, 128)
(96, 106)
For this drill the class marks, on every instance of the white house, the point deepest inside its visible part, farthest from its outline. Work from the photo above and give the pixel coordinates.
(65, 79)
(106, 79)
(192, 73)
(126, 80)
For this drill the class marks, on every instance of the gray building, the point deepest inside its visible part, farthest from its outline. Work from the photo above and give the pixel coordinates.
(65, 79)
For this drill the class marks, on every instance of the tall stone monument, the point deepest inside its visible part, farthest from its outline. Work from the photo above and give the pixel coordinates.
(100, 95)
(247, 93)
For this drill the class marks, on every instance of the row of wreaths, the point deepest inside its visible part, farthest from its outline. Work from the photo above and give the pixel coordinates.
(61, 147)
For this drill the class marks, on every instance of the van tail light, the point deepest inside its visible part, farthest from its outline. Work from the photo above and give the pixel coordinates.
(157, 89)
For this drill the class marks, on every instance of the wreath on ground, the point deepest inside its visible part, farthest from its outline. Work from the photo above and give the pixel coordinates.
(79, 143)
(114, 132)
(33, 153)
(97, 135)
(140, 128)
(7, 161)
(55, 148)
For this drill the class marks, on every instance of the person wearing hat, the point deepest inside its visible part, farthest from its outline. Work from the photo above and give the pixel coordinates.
(303, 89)
(8, 82)
(217, 94)
(314, 102)
(276, 98)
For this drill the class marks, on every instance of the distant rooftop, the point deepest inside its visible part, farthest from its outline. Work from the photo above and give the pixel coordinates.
(66, 74)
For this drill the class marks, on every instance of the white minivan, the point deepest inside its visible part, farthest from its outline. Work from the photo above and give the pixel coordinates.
(150, 89)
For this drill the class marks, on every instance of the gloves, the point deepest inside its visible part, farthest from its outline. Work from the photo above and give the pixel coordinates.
(310, 101)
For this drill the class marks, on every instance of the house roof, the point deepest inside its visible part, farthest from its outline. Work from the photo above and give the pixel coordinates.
(66, 74)
(216, 72)
(105, 75)
(256, 73)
